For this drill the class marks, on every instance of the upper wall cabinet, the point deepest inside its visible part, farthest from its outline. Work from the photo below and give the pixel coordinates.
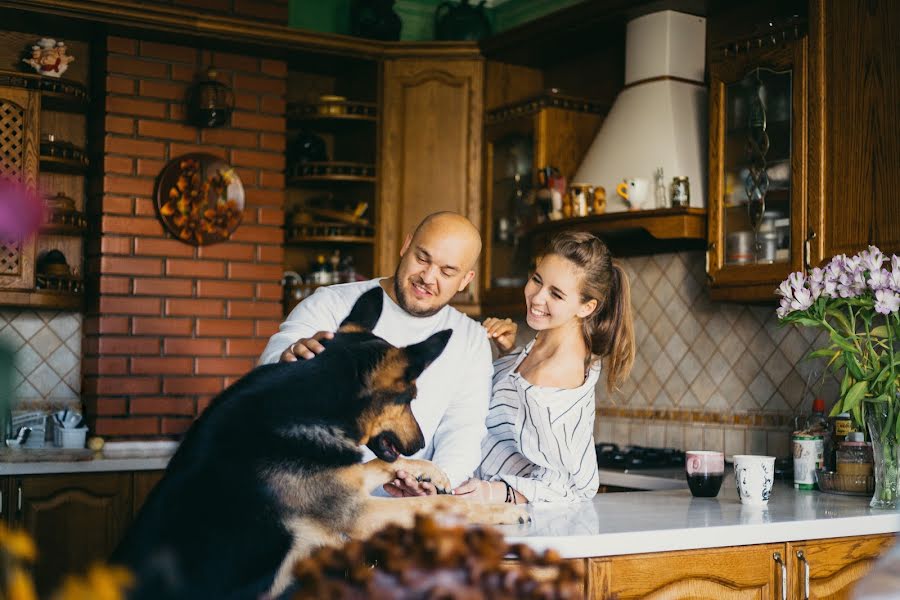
(19, 110)
(804, 139)
(757, 165)
(430, 157)
(854, 128)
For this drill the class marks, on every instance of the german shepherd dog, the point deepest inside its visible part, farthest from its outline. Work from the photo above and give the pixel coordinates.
(272, 469)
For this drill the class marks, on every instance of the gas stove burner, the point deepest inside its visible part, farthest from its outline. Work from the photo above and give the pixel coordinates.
(609, 456)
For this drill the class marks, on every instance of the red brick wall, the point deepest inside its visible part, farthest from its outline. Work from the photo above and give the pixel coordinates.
(171, 325)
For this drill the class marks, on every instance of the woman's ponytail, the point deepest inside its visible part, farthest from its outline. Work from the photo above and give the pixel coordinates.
(609, 330)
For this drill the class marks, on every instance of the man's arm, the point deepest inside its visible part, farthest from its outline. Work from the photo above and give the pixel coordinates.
(457, 439)
(316, 313)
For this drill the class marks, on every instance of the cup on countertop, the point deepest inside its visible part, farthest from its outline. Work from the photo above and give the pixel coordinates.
(705, 471)
(753, 476)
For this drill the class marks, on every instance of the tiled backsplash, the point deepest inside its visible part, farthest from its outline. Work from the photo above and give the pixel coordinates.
(47, 349)
(707, 375)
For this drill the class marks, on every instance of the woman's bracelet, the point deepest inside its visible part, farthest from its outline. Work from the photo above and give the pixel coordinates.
(510, 494)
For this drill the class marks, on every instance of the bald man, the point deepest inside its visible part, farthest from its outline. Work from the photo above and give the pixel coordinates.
(437, 260)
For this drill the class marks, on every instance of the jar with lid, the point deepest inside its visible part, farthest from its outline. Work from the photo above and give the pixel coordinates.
(854, 460)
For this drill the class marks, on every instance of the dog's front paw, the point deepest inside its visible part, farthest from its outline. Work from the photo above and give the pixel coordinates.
(424, 470)
(509, 514)
(498, 514)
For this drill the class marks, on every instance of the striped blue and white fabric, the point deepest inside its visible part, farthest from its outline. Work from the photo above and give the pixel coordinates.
(540, 439)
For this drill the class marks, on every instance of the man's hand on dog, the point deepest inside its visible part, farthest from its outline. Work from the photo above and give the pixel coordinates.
(306, 348)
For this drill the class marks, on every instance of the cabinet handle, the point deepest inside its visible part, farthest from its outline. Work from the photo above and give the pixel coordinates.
(802, 558)
(712, 248)
(1, 503)
(777, 557)
(807, 250)
(19, 500)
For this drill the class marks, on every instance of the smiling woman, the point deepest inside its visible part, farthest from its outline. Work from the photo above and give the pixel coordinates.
(539, 446)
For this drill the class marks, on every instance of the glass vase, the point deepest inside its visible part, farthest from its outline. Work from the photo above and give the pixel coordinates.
(886, 452)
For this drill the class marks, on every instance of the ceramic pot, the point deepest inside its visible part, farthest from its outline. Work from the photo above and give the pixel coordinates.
(461, 21)
(375, 19)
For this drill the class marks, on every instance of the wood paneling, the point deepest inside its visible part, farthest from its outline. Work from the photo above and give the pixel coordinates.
(74, 519)
(430, 147)
(507, 84)
(834, 565)
(861, 55)
(19, 146)
(728, 282)
(721, 573)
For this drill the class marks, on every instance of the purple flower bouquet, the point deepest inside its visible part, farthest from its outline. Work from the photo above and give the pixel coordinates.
(857, 301)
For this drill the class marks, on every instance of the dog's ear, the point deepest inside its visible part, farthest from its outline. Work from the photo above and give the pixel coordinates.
(365, 313)
(424, 353)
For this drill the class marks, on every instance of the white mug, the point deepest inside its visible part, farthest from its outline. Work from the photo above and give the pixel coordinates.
(635, 190)
(753, 476)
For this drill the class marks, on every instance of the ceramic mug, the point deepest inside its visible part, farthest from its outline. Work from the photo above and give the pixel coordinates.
(635, 190)
(705, 471)
(753, 476)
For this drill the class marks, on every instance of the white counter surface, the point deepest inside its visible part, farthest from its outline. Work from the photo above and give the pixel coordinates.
(636, 522)
(97, 465)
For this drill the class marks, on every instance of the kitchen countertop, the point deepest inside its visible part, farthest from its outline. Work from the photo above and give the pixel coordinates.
(97, 465)
(636, 522)
(666, 478)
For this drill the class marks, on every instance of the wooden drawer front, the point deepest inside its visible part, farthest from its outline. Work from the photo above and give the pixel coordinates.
(737, 573)
(834, 565)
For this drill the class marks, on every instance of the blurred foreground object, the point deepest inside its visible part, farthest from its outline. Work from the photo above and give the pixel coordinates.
(18, 553)
(21, 211)
(883, 581)
(433, 561)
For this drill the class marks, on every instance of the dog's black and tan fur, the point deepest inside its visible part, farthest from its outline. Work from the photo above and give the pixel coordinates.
(272, 470)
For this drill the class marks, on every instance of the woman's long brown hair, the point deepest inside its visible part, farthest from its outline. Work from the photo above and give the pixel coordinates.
(609, 330)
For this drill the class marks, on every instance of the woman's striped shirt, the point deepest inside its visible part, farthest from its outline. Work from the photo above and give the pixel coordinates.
(540, 440)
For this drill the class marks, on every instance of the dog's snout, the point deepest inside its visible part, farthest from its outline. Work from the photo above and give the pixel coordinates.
(417, 443)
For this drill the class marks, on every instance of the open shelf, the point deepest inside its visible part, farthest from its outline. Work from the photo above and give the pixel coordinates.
(57, 94)
(65, 223)
(44, 299)
(637, 232)
(71, 166)
(330, 239)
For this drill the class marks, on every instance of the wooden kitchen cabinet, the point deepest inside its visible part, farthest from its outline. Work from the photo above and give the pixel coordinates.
(20, 122)
(544, 130)
(757, 167)
(739, 572)
(841, 192)
(854, 132)
(721, 573)
(430, 150)
(75, 519)
(834, 566)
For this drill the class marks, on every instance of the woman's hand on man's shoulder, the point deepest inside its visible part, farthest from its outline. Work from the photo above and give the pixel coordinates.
(502, 332)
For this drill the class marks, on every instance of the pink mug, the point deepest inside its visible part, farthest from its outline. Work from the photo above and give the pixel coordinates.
(705, 471)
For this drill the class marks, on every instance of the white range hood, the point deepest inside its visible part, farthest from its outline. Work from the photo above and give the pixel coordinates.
(659, 117)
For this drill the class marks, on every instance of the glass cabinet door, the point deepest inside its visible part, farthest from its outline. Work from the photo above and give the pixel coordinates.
(757, 170)
(509, 173)
(757, 166)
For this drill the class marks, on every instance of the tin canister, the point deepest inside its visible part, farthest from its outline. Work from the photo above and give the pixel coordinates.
(809, 455)
(681, 191)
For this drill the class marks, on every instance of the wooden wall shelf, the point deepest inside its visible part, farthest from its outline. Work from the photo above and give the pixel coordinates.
(71, 166)
(330, 239)
(42, 299)
(57, 94)
(636, 232)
